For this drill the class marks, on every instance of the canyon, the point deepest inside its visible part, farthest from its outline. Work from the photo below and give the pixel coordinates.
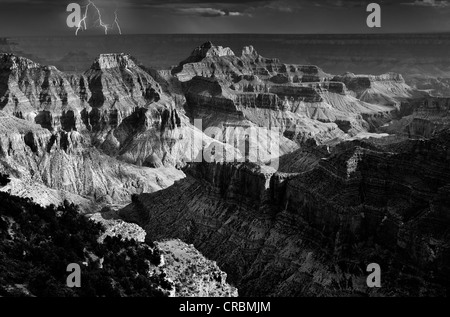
(355, 170)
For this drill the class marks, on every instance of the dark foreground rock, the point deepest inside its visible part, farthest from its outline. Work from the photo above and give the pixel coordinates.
(314, 233)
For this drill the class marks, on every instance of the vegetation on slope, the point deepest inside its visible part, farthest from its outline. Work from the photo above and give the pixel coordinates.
(38, 243)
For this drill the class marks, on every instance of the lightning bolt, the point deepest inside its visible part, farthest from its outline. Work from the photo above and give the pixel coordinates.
(99, 20)
(82, 23)
(83, 20)
(116, 21)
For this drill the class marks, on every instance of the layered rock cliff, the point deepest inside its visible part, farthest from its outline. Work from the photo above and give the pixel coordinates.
(314, 233)
(37, 93)
(258, 89)
(36, 158)
(146, 118)
(285, 187)
(116, 107)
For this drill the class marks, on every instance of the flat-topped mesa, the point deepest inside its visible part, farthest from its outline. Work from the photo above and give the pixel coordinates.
(10, 62)
(388, 77)
(387, 89)
(358, 82)
(108, 61)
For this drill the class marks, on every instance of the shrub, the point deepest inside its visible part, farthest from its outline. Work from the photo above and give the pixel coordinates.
(47, 239)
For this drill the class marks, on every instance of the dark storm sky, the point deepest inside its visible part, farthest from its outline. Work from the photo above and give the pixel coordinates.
(48, 17)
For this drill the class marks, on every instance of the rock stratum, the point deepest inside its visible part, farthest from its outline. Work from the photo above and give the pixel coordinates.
(290, 178)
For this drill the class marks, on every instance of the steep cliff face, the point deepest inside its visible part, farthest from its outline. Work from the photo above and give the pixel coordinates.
(314, 233)
(117, 85)
(66, 163)
(138, 118)
(95, 103)
(116, 110)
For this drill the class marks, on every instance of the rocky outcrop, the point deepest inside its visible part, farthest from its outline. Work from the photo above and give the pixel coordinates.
(187, 271)
(118, 228)
(191, 274)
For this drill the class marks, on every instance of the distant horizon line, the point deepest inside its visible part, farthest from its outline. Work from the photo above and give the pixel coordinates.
(236, 34)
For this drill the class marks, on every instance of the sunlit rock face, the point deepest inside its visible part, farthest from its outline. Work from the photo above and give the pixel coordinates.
(65, 162)
(120, 110)
(268, 93)
(76, 127)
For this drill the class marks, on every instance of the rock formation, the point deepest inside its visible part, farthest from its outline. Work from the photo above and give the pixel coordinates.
(189, 273)
(271, 94)
(291, 178)
(314, 233)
